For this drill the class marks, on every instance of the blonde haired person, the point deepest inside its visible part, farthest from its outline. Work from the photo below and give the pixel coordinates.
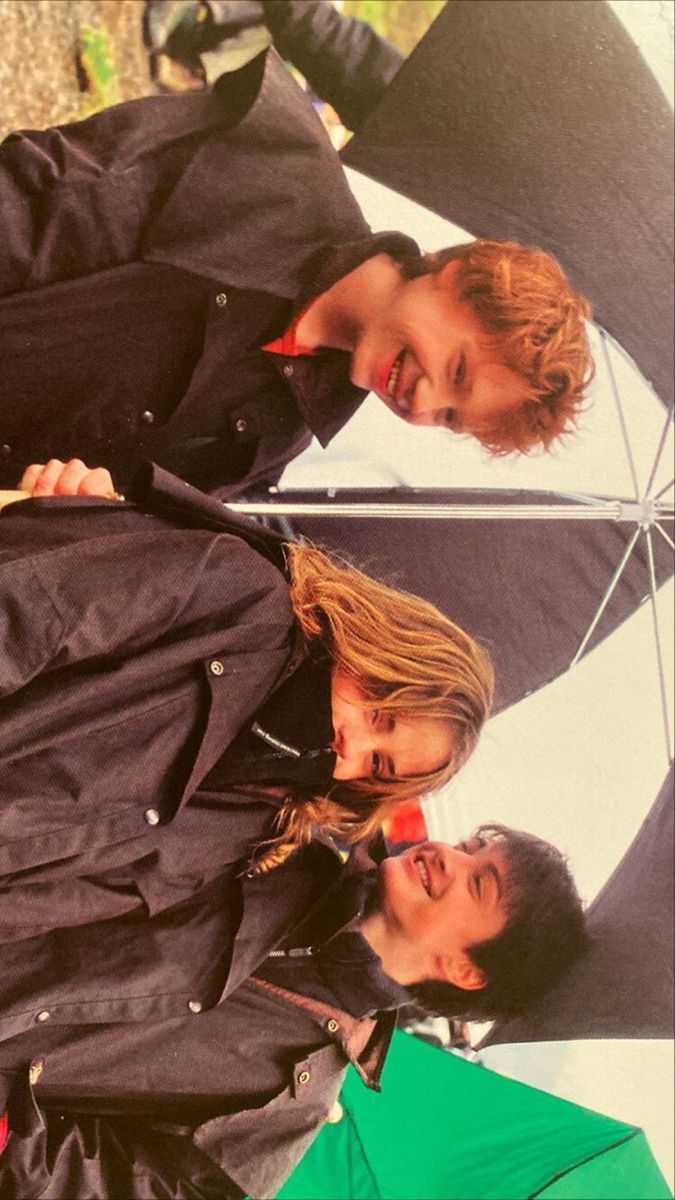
(179, 700)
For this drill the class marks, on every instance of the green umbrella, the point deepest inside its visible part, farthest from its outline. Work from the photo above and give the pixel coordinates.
(445, 1128)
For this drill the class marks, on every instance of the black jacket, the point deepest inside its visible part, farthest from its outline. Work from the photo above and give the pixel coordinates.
(199, 1099)
(135, 648)
(346, 62)
(147, 255)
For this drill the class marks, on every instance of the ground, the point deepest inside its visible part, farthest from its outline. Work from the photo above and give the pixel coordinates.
(64, 59)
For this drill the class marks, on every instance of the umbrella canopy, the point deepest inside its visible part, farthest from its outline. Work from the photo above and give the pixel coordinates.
(541, 122)
(603, 1035)
(446, 1127)
(630, 958)
(579, 761)
(525, 572)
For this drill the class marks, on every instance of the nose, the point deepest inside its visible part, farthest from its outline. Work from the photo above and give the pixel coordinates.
(453, 861)
(425, 402)
(355, 754)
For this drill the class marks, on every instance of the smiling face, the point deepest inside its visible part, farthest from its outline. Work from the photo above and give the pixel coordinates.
(436, 901)
(429, 359)
(370, 743)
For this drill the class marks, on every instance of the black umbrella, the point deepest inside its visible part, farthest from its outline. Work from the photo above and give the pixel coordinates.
(623, 987)
(542, 122)
(602, 1036)
(525, 572)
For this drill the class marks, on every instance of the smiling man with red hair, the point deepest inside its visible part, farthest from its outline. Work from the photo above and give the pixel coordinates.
(189, 279)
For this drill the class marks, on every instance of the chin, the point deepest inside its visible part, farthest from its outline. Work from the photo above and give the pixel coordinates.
(392, 877)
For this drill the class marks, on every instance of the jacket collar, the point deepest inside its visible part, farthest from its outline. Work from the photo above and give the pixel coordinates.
(275, 904)
(321, 385)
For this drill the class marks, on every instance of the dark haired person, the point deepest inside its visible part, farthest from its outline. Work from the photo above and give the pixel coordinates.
(192, 1056)
(189, 279)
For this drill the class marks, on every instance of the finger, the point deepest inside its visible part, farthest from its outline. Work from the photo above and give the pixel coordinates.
(68, 483)
(48, 478)
(97, 483)
(30, 476)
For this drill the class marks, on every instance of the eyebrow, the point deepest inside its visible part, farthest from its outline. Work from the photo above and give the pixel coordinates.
(493, 870)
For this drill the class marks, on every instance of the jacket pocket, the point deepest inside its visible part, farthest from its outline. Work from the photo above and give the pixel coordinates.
(259, 1147)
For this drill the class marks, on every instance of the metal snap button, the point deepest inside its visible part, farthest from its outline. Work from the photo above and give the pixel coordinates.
(332, 1026)
(303, 1077)
(151, 816)
(216, 667)
(5, 451)
(221, 299)
(288, 370)
(195, 1006)
(43, 1016)
(148, 418)
(241, 425)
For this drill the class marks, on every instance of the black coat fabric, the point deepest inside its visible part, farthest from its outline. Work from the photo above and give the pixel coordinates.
(148, 253)
(194, 1097)
(135, 647)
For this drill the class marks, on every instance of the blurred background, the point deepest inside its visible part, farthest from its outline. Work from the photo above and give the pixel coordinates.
(65, 59)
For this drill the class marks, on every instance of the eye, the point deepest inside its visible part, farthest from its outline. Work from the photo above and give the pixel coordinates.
(478, 884)
(383, 721)
(382, 767)
(460, 370)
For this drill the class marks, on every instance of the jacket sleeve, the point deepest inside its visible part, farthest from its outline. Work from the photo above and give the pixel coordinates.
(80, 583)
(54, 1154)
(346, 62)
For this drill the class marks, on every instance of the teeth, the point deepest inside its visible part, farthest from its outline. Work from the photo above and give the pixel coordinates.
(424, 875)
(393, 376)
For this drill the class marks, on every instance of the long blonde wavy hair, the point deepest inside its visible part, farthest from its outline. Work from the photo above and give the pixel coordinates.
(407, 658)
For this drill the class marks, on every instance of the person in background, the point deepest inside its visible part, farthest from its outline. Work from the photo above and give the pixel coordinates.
(344, 60)
(193, 1055)
(189, 279)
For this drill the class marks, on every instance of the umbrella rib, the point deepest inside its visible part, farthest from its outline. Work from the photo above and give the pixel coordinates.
(589, 510)
(659, 651)
(607, 597)
(662, 441)
(666, 488)
(665, 535)
(619, 409)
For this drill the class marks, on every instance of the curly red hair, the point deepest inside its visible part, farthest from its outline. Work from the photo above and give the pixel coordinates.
(525, 301)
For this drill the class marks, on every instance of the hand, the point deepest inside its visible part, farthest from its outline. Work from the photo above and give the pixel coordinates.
(73, 478)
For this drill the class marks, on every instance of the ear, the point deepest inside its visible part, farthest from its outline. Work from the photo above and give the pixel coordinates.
(461, 971)
(445, 278)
